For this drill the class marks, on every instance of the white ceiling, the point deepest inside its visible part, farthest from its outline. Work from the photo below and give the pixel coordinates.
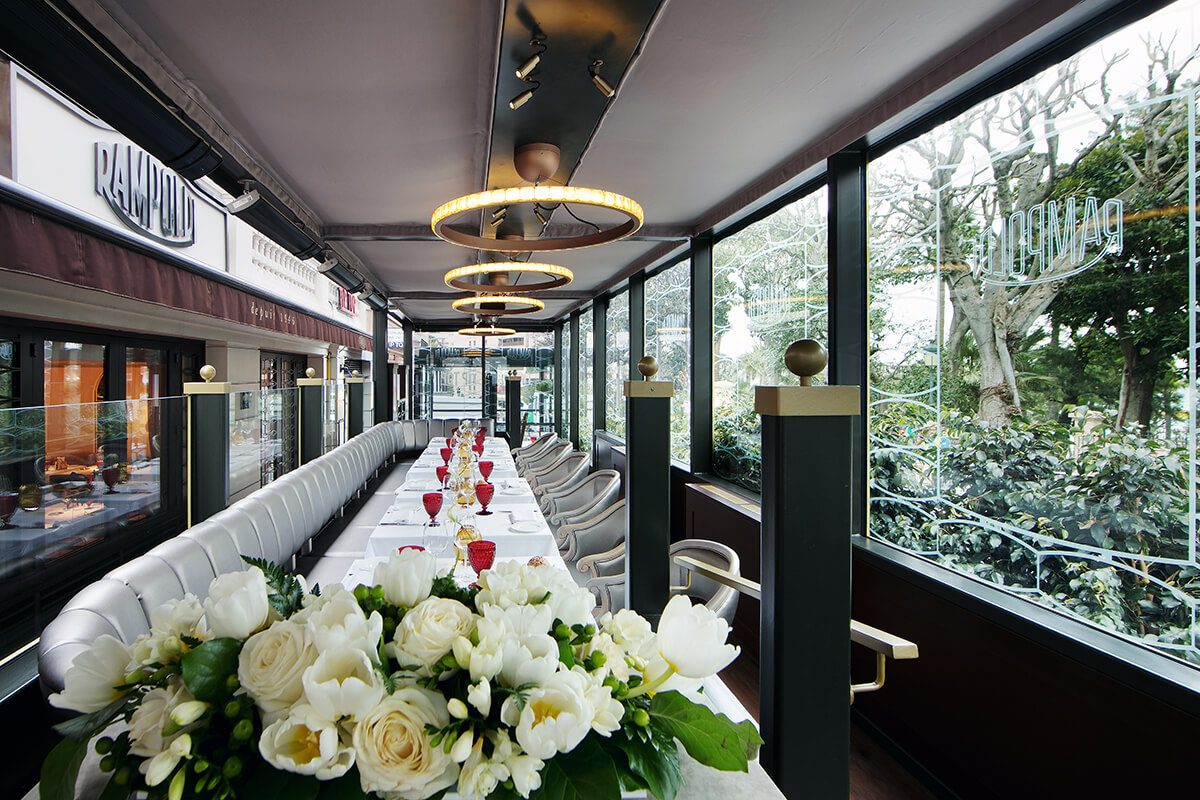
(376, 111)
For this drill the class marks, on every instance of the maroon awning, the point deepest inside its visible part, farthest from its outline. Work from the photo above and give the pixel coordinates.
(35, 244)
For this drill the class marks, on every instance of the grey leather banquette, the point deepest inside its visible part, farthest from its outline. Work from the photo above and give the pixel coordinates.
(275, 522)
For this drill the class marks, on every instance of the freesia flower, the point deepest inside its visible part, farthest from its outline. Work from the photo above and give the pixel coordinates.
(568, 601)
(237, 603)
(272, 664)
(306, 742)
(342, 683)
(556, 718)
(169, 623)
(406, 577)
(480, 697)
(393, 750)
(151, 716)
(631, 631)
(428, 632)
(606, 710)
(691, 639)
(480, 776)
(91, 680)
(159, 768)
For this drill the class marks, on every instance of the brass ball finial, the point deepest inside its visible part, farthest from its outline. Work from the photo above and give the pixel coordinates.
(648, 366)
(355, 374)
(208, 372)
(310, 373)
(806, 358)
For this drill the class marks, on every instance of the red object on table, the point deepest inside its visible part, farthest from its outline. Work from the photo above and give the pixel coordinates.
(433, 504)
(449, 441)
(485, 469)
(479, 437)
(445, 453)
(481, 553)
(8, 507)
(478, 449)
(404, 547)
(442, 472)
(484, 492)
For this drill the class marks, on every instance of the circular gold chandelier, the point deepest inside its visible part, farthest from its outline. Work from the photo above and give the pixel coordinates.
(475, 304)
(555, 276)
(551, 195)
(487, 330)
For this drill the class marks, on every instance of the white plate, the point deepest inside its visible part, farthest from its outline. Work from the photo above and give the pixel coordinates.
(525, 527)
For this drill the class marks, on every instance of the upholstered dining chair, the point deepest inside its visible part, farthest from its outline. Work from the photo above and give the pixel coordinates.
(549, 474)
(523, 454)
(605, 576)
(601, 531)
(583, 500)
(548, 489)
(548, 457)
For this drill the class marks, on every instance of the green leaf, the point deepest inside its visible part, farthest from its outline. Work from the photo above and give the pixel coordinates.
(712, 739)
(656, 762)
(60, 770)
(206, 669)
(114, 791)
(585, 773)
(268, 783)
(85, 726)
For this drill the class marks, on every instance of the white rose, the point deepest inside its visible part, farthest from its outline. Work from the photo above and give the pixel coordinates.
(530, 660)
(272, 663)
(151, 716)
(510, 583)
(406, 577)
(90, 682)
(691, 639)
(428, 631)
(557, 716)
(340, 623)
(342, 683)
(480, 776)
(393, 751)
(237, 603)
(568, 601)
(308, 743)
(631, 631)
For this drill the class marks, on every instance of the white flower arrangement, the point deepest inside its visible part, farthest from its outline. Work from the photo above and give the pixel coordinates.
(408, 689)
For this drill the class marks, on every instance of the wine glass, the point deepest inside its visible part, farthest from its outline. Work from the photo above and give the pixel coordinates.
(445, 453)
(485, 469)
(433, 504)
(484, 492)
(442, 473)
(8, 507)
(435, 539)
(482, 554)
(110, 475)
(478, 450)
(450, 441)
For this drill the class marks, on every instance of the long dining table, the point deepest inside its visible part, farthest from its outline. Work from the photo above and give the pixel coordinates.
(521, 532)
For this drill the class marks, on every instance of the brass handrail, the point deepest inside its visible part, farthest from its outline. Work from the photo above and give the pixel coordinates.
(885, 645)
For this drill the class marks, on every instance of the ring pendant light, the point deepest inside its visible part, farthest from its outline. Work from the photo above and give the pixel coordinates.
(487, 330)
(537, 194)
(475, 304)
(461, 278)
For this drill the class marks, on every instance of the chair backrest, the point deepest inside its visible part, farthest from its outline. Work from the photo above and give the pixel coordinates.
(721, 599)
(548, 490)
(523, 454)
(545, 460)
(602, 531)
(557, 472)
(587, 497)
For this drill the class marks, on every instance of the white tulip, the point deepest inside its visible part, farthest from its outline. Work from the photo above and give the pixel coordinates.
(691, 639)
(151, 716)
(237, 603)
(340, 623)
(342, 683)
(462, 747)
(557, 716)
(308, 743)
(510, 583)
(568, 601)
(429, 630)
(91, 680)
(516, 621)
(406, 577)
(272, 663)
(530, 660)
(393, 750)
(480, 697)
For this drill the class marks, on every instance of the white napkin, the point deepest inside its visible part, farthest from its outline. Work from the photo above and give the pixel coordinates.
(524, 515)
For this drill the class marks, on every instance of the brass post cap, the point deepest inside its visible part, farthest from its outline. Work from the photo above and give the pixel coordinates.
(208, 372)
(648, 366)
(805, 358)
(354, 374)
(310, 373)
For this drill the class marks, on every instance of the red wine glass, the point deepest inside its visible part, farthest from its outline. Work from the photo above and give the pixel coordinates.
(442, 472)
(481, 554)
(485, 469)
(484, 492)
(8, 507)
(478, 449)
(449, 441)
(433, 504)
(110, 475)
(445, 453)
(404, 547)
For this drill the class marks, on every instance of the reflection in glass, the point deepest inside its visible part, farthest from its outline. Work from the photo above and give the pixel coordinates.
(668, 339)
(616, 363)
(586, 421)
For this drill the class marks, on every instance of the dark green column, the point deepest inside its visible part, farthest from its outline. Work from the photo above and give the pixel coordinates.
(804, 689)
(648, 492)
(514, 422)
(354, 406)
(312, 416)
(207, 446)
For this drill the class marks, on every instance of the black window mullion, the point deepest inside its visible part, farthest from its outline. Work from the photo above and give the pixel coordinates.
(599, 363)
(702, 352)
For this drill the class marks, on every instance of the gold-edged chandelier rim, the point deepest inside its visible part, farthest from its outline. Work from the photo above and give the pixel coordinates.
(491, 330)
(473, 304)
(494, 198)
(558, 276)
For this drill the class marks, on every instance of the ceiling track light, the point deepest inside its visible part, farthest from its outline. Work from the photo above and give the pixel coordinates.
(542, 218)
(604, 87)
(524, 97)
(538, 43)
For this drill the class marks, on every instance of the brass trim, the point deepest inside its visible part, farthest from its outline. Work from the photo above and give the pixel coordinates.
(807, 401)
(200, 387)
(356, 380)
(664, 389)
(721, 576)
(310, 381)
(883, 642)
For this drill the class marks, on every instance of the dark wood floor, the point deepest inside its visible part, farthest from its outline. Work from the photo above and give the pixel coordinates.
(874, 774)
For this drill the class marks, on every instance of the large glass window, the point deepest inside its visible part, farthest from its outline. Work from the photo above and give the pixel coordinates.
(564, 381)
(1033, 337)
(770, 285)
(616, 363)
(447, 376)
(668, 339)
(532, 356)
(586, 422)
